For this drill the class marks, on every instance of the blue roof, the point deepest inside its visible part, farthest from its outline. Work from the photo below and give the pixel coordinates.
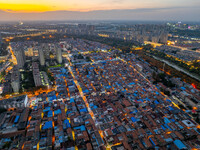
(167, 127)
(180, 144)
(149, 132)
(140, 100)
(132, 83)
(66, 122)
(86, 91)
(172, 120)
(63, 70)
(108, 87)
(57, 112)
(47, 109)
(51, 98)
(196, 130)
(16, 119)
(168, 100)
(91, 104)
(95, 107)
(148, 99)
(69, 112)
(163, 127)
(171, 108)
(82, 128)
(133, 119)
(50, 113)
(183, 88)
(166, 120)
(134, 111)
(156, 102)
(152, 142)
(181, 127)
(117, 84)
(60, 139)
(83, 110)
(7, 140)
(124, 91)
(71, 100)
(48, 125)
(168, 140)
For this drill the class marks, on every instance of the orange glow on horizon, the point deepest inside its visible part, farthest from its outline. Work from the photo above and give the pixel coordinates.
(39, 6)
(25, 8)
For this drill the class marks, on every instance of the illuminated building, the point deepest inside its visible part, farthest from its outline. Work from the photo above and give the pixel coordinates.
(15, 102)
(30, 52)
(15, 79)
(163, 37)
(59, 55)
(46, 51)
(36, 74)
(41, 57)
(1, 41)
(20, 56)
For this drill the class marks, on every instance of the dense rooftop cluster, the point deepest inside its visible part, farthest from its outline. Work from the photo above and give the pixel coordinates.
(106, 103)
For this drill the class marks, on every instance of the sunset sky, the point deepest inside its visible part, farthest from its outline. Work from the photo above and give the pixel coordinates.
(88, 5)
(164, 7)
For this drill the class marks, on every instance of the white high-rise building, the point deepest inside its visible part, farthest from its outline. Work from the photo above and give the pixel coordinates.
(20, 56)
(36, 74)
(1, 40)
(15, 79)
(46, 50)
(41, 57)
(163, 37)
(59, 55)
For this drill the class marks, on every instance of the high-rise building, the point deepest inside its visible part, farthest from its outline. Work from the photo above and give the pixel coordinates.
(46, 50)
(41, 57)
(15, 79)
(155, 39)
(163, 37)
(36, 74)
(15, 102)
(1, 40)
(59, 55)
(20, 56)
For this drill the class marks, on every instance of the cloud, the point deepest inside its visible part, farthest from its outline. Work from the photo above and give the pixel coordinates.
(165, 13)
(117, 1)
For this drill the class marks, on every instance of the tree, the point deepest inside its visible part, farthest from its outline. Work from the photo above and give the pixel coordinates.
(88, 58)
(2, 110)
(148, 47)
(80, 56)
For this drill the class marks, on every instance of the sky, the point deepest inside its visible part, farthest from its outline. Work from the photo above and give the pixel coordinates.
(116, 9)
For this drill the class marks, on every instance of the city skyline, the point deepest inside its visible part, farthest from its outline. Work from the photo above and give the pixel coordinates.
(182, 10)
